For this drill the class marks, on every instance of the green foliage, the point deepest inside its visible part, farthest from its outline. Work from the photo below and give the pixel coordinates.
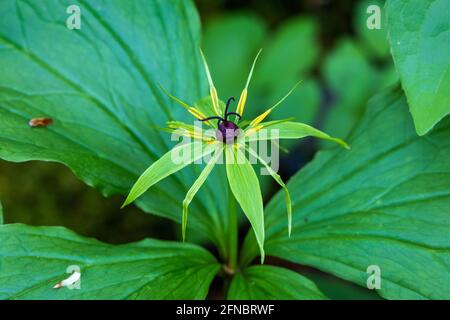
(245, 187)
(268, 282)
(289, 54)
(352, 80)
(48, 193)
(278, 179)
(218, 151)
(102, 92)
(297, 130)
(303, 104)
(419, 34)
(34, 259)
(374, 41)
(165, 166)
(230, 44)
(384, 202)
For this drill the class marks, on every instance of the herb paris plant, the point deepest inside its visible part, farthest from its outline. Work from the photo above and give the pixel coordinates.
(385, 202)
(231, 139)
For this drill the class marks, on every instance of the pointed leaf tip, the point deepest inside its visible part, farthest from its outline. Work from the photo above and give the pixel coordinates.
(342, 143)
(205, 65)
(252, 68)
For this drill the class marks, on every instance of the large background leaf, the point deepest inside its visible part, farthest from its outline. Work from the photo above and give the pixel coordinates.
(419, 33)
(268, 282)
(100, 86)
(34, 259)
(385, 202)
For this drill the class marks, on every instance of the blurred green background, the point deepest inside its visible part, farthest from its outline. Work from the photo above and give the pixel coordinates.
(322, 42)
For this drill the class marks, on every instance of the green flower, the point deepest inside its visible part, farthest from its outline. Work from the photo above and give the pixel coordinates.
(229, 139)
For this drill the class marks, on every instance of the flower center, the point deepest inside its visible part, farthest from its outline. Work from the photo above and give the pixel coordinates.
(227, 131)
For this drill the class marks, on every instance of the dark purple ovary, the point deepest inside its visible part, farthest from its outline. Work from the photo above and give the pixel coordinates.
(227, 132)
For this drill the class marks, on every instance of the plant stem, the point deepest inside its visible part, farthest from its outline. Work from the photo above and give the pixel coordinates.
(233, 231)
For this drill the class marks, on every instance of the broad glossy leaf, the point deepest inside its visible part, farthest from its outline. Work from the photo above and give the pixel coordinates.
(100, 85)
(292, 130)
(419, 34)
(34, 259)
(269, 282)
(385, 202)
(244, 185)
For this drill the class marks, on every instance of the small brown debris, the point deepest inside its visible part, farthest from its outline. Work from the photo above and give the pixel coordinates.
(40, 122)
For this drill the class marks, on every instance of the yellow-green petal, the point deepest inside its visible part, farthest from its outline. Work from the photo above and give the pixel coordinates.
(212, 88)
(192, 110)
(243, 98)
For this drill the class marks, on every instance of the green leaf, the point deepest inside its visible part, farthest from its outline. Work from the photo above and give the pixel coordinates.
(385, 202)
(245, 187)
(292, 130)
(34, 259)
(1, 214)
(278, 179)
(101, 87)
(272, 283)
(173, 161)
(218, 151)
(419, 34)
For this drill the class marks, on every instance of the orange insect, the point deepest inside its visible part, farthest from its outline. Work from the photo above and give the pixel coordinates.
(40, 122)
